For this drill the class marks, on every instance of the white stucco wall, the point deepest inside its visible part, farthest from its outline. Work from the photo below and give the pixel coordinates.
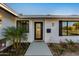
(31, 29)
(30, 35)
(8, 20)
(31, 32)
(53, 24)
(54, 35)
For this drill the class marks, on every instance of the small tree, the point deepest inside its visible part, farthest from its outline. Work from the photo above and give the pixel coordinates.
(69, 28)
(15, 34)
(20, 35)
(9, 34)
(76, 25)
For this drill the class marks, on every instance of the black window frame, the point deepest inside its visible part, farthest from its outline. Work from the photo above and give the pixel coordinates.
(60, 28)
(25, 24)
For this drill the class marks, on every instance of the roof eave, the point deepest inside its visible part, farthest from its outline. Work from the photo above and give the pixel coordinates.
(8, 9)
(50, 16)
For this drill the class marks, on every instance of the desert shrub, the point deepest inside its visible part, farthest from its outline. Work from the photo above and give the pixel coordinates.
(68, 45)
(71, 45)
(50, 44)
(70, 42)
(57, 49)
(63, 44)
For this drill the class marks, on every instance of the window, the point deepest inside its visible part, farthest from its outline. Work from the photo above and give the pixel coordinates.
(68, 28)
(23, 24)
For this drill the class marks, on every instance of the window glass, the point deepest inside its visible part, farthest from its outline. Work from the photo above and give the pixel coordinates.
(23, 24)
(69, 28)
(64, 28)
(73, 28)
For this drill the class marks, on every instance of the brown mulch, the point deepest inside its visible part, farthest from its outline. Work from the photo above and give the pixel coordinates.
(67, 52)
(70, 54)
(10, 51)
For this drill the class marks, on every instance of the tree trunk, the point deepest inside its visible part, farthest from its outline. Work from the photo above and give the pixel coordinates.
(19, 42)
(14, 46)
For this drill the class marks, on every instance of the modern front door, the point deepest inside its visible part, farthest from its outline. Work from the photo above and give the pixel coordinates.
(38, 30)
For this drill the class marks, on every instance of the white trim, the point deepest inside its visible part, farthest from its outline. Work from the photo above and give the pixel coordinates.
(49, 16)
(4, 6)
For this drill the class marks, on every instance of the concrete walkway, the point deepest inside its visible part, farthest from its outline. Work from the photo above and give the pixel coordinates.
(38, 49)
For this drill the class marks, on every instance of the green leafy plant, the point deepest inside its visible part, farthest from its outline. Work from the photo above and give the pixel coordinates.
(63, 44)
(16, 35)
(71, 45)
(70, 42)
(57, 50)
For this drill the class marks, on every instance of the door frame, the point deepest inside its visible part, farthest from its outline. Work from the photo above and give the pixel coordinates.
(35, 31)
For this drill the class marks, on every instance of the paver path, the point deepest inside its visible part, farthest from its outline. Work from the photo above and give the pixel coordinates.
(38, 49)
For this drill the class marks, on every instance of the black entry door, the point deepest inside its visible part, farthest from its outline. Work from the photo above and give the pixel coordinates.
(38, 30)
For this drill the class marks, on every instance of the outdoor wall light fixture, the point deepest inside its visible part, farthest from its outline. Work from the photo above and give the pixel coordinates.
(0, 16)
